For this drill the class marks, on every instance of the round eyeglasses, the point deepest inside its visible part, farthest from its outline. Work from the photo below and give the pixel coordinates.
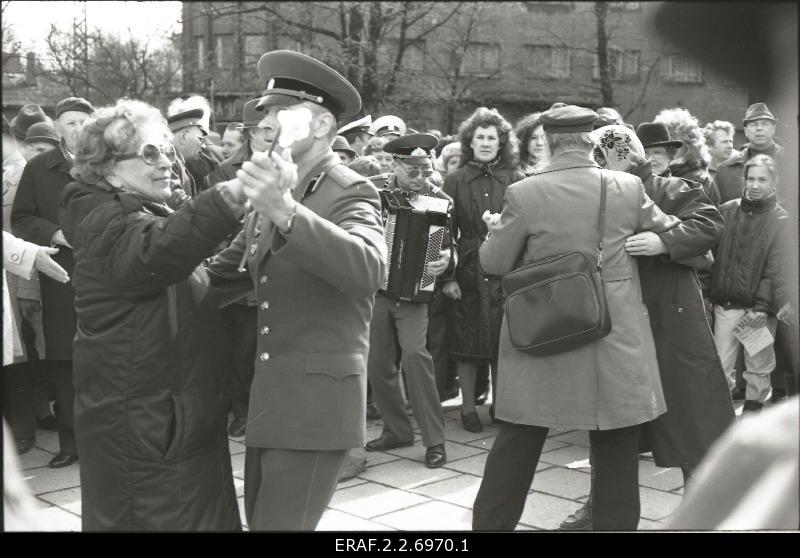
(151, 153)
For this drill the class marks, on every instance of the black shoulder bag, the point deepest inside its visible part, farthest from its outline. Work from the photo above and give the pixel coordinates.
(557, 304)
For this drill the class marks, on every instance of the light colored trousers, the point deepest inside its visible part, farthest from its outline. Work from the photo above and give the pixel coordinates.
(758, 367)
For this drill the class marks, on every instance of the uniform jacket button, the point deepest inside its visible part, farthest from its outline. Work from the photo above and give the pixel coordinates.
(263, 279)
(264, 357)
(265, 305)
(15, 257)
(253, 248)
(264, 330)
(680, 309)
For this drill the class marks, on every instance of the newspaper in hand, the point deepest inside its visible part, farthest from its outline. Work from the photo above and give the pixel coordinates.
(754, 339)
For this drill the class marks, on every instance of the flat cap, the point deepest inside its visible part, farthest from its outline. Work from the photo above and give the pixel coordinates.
(78, 104)
(340, 143)
(185, 119)
(568, 119)
(42, 131)
(757, 111)
(388, 124)
(27, 116)
(412, 146)
(360, 125)
(251, 116)
(291, 77)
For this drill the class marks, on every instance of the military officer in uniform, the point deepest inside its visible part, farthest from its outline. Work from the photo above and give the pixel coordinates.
(357, 133)
(412, 167)
(314, 249)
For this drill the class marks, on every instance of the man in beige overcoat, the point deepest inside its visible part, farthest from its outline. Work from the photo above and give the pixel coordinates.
(608, 387)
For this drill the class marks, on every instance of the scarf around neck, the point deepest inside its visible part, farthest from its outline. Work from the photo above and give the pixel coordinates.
(758, 206)
(487, 167)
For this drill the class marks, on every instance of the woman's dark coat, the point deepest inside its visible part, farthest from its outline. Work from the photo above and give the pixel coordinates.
(699, 406)
(479, 313)
(150, 412)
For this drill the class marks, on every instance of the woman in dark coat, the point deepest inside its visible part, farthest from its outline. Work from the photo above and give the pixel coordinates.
(488, 165)
(150, 413)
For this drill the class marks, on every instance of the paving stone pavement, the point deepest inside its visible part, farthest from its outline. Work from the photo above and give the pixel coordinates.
(397, 492)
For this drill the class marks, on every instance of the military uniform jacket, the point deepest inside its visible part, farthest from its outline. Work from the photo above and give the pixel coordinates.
(315, 288)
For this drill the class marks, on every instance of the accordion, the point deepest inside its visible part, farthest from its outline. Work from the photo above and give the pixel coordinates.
(414, 227)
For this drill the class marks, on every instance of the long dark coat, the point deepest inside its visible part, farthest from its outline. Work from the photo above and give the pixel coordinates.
(699, 406)
(34, 217)
(479, 312)
(150, 412)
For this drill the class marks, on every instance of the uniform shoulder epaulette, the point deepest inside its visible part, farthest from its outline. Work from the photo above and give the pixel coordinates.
(345, 176)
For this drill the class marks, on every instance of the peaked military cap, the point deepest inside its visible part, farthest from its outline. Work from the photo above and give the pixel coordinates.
(185, 119)
(568, 119)
(42, 131)
(361, 125)
(757, 111)
(27, 116)
(291, 77)
(78, 104)
(388, 124)
(251, 116)
(412, 146)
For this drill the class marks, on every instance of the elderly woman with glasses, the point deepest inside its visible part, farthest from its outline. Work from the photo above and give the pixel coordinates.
(150, 414)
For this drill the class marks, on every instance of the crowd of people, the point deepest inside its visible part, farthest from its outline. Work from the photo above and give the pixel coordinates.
(189, 291)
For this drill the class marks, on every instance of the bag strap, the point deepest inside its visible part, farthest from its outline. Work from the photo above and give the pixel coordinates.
(601, 222)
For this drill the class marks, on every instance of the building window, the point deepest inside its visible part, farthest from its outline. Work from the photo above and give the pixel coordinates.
(201, 53)
(548, 6)
(254, 47)
(622, 64)
(684, 69)
(629, 6)
(547, 61)
(413, 57)
(224, 51)
(481, 59)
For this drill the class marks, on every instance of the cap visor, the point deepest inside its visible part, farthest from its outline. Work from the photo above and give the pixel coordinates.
(277, 100)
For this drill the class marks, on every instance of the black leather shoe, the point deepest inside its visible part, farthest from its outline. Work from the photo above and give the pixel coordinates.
(386, 443)
(47, 423)
(435, 456)
(472, 422)
(237, 427)
(372, 412)
(62, 460)
(738, 394)
(580, 520)
(25, 445)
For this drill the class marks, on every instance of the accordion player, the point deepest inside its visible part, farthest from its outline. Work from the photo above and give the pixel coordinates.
(415, 227)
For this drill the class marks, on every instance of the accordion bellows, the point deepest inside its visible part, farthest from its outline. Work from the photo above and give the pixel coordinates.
(414, 227)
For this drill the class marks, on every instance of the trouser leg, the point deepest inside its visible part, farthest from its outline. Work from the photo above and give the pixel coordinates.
(758, 368)
(382, 373)
(615, 504)
(61, 371)
(242, 321)
(288, 490)
(787, 339)
(18, 400)
(411, 320)
(727, 344)
(437, 340)
(507, 477)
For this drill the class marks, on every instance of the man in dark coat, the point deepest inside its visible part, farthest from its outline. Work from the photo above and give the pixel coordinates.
(315, 251)
(34, 217)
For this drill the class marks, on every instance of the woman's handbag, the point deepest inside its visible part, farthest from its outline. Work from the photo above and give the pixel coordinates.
(557, 304)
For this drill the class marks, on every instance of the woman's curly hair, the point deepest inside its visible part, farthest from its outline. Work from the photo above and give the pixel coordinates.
(483, 118)
(111, 132)
(524, 131)
(683, 126)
